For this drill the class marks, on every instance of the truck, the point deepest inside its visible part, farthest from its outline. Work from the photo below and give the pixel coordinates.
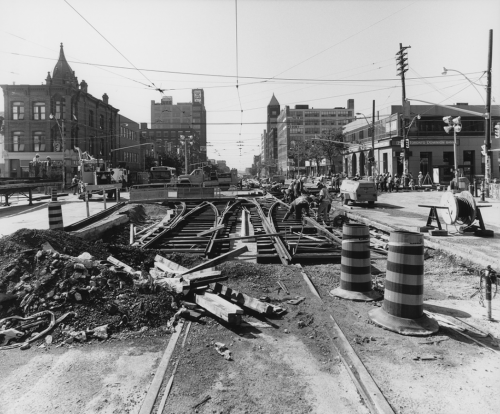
(95, 172)
(358, 191)
(207, 177)
(162, 175)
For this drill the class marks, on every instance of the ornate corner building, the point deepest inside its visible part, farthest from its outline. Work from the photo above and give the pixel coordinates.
(54, 118)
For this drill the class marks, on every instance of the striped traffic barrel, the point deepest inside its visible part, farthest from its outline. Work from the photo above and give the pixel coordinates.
(354, 231)
(55, 216)
(355, 273)
(403, 307)
(53, 193)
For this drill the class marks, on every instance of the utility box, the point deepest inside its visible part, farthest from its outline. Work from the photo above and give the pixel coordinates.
(359, 191)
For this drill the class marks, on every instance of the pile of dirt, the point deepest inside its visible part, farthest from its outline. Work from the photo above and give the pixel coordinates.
(71, 275)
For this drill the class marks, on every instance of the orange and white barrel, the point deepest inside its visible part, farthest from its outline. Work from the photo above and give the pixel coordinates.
(403, 307)
(55, 216)
(355, 273)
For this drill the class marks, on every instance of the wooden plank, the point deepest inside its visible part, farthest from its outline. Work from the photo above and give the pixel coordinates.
(174, 267)
(220, 307)
(154, 388)
(256, 236)
(211, 230)
(217, 260)
(323, 230)
(204, 278)
(242, 299)
(123, 266)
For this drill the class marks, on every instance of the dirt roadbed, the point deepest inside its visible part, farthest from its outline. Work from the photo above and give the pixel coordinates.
(289, 366)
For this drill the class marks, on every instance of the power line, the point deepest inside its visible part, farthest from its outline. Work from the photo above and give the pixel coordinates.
(232, 76)
(347, 38)
(100, 34)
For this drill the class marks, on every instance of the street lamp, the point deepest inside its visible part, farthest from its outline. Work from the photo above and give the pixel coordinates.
(445, 71)
(186, 140)
(61, 128)
(453, 123)
(371, 160)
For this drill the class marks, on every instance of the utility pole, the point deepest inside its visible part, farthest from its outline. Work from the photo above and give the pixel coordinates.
(401, 59)
(373, 141)
(487, 161)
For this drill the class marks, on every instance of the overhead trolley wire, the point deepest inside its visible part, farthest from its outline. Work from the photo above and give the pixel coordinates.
(100, 34)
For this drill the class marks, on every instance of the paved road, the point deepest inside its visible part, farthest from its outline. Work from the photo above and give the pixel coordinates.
(20, 215)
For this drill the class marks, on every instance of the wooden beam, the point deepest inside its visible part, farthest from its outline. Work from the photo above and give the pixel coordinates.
(242, 299)
(122, 265)
(256, 236)
(320, 228)
(220, 307)
(210, 231)
(217, 260)
(174, 267)
(198, 278)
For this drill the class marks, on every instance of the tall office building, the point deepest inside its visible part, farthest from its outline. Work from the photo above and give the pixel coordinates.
(183, 118)
(300, 124)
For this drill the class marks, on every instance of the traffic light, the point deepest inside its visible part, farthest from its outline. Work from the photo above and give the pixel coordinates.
(407, 143)
(483, 150)
(497, 131)
(401, 61)
(153, 147)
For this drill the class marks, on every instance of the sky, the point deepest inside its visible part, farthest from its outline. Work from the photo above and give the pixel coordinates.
(320, 53)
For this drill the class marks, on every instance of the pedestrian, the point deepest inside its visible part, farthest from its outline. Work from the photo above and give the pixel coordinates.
(412, 184)
(390, 183)
(420, 179)
(291, 190)
(74, 184)
(325, 203)
(298, 207)
(397, 183)
(376, 179)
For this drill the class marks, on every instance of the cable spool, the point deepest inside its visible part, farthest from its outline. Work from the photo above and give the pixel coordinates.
(461, 209)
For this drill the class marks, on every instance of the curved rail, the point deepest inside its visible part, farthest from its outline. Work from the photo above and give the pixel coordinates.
(221, 219)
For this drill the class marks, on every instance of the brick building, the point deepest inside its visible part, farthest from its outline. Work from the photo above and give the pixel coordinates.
(431, 149)
(183, 118)
(54, 118)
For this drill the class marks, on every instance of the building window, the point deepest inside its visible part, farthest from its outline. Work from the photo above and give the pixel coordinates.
(91, 118)
(101, 122)
(60, 108)
(17, 110)
(17, 141)
(39, 141)
(311, 114)
(158, 134)
(328, 113)
(39, 111)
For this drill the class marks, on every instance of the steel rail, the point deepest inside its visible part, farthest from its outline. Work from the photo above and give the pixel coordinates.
(221, 219)
(268, 226)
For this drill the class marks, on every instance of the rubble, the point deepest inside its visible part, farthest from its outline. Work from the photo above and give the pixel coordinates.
(59, 285)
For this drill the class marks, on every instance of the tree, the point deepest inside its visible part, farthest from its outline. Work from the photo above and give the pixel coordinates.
(300, 150)
(330, 146)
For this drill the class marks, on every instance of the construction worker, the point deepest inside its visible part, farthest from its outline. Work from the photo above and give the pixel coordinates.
(74, 184)
(299, 206)
(325, 202)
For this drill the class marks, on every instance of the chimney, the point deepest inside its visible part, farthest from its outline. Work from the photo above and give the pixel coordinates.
(84, 86)
(105, 98)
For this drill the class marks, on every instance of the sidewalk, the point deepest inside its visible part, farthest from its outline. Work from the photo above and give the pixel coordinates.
(401, 211)
(21, 215)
